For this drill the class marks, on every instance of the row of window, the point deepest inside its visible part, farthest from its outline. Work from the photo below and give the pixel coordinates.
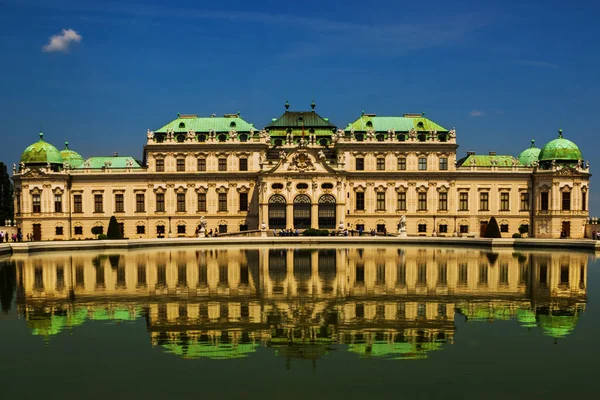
(463, 204)
(180, 138)
(380, 165)
(140, 202)
(201, 164)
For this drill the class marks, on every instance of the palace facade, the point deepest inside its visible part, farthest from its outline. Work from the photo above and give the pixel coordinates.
(302, 171)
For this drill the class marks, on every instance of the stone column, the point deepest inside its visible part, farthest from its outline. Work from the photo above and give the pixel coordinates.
(314, 215)
(289, 216)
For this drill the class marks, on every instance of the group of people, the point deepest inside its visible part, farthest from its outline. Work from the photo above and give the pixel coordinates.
(16, 237)
(596, 235)
(286, 232)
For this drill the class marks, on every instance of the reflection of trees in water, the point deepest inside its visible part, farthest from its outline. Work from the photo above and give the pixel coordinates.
(8, 277)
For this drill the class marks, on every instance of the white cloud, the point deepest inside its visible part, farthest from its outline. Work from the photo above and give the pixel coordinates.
(62, 41)
(476, 113)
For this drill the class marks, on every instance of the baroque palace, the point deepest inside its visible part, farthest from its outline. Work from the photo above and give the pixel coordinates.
(301, 171)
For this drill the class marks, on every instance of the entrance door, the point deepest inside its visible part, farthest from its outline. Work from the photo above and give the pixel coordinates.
(302, 209)
(566, 229)
(277, 206)
(37, 232)
(482, 227)
(327, 217)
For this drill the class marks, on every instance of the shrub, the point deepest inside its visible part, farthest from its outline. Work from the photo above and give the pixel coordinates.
(102, 236)
(492, 230)
(523, 229)
(96, 230)
(113, 231)
(516, 235)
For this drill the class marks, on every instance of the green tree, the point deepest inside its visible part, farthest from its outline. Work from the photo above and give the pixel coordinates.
(6, 195)
(492, 230)
(96, 230)
(113, 231)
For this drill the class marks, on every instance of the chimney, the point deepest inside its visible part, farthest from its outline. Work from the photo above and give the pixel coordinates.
(470, 153)
(492, 153)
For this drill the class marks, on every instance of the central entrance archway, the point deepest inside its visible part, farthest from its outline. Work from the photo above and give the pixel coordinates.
(302, 205)
(327, 217)
(277, 206)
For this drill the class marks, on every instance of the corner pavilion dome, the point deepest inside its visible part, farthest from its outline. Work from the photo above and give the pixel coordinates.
(529, 155)
(71, 157)
(41, 153)
(560, 150)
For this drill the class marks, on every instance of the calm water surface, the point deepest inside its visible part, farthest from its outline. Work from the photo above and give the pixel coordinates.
(300, 323)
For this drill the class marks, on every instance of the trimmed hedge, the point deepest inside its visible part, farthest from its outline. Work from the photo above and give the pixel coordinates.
(113, 229)
(492, 230)
(315, 232)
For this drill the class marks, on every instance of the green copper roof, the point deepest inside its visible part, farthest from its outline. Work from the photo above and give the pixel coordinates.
(220, 351)
(41, 152)
(394, 351)
(526, 318)
(560, 149)
(486, 161)
(184, 123)
(295, 119)
(529, 155)
(399, 124)
(115, 162)
(71, 157)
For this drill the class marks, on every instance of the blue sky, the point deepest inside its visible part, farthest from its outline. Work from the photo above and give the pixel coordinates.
(501, 73)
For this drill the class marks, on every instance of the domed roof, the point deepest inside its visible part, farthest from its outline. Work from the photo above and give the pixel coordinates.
(41, 152)
(529, 155)
(557, 326)
(72, 157)
(560, 149)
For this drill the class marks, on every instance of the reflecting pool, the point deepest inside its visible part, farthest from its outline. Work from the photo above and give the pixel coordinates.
(295, 322)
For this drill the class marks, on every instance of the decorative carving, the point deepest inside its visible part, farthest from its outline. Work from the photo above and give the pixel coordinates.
(301, 162)
(452, 133)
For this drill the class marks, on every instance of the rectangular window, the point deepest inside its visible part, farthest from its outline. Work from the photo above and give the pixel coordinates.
(463, 274)
(222, 201)
(422, 164)
(180, 202)
(422, 201)
(181, 165)
(525, 201)
(443, 228)
(36, 201)
(202, 164)
(504, 201)
(98, 203)
(119, 203)
(442, 274)
(360, 201)
(243, 164)
(401, 164)
(181, 229)
(443, 164)
(583, 200)
(77, 203)
(160, 202)
(566, 201)
(422, 228)
(380, 164)
(222, 164)
(380, 201)
(78, 230)
(360, 164)
(160, 165)
(544, 201)
(222, 228)
(243, 201)
(58, 203)
(140, 202)
(59, 230)
(202, 202)
(464, 228)
(484, 201)
(443, 201)
(140, 229)
(402, 201)
(504, 228)
(463, 204)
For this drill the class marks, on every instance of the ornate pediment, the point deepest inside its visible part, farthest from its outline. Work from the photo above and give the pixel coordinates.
(301, 161)
(566, 171)
(34, 173)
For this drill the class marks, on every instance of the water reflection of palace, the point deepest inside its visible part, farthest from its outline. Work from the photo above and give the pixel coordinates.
(397, 303)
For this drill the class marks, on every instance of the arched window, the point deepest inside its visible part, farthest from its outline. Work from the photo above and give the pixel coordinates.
(369, 124)
(422, 137)
(302, 210)
(222, 138)
(359, 137)
(401, 137)
(323, 142)
(380, 137)
(232, 124)
(201, 138)
(277, 212)
(420, 125)
(180, 138)
(278, 142)
(327, 212)
(181, 125)
(243, 137)
(442, 137)
(159, 137)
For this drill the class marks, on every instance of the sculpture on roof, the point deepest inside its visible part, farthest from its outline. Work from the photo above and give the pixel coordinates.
(473, 161)
(321, 154)
(107, 164)
(14, 168)
(87, 164)
(282, 155)
(412, 133)
(341, 158)
(233, 134)
(149, 135)
(452, 133)
(129, 163)
(191, 135)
